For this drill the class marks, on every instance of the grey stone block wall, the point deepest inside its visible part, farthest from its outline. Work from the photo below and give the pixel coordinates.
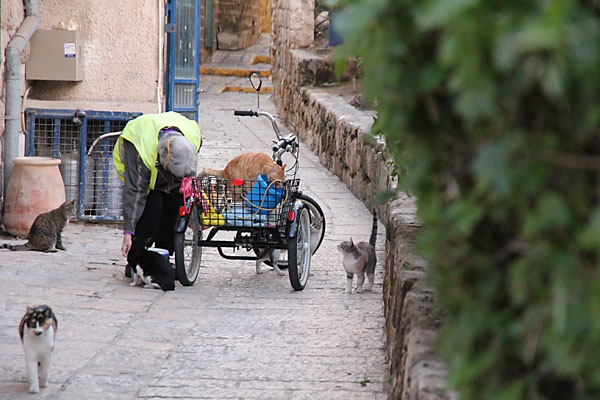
(338, 133)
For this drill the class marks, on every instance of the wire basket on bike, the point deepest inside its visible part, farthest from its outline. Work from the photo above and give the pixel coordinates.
(245, 202)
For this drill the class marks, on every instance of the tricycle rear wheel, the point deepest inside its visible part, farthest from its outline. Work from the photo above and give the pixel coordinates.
(317, 221)
(317, 231)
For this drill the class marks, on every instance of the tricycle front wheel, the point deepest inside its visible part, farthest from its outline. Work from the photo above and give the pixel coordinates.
(188, 253)
(299, 251)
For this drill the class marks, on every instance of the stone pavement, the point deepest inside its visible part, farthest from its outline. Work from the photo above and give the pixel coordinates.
(233, 335)
(233, 67)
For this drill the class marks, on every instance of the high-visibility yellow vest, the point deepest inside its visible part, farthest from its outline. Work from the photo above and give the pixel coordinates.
(142, 132)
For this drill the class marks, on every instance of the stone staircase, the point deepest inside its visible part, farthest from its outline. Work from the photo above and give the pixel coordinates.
(228, 70)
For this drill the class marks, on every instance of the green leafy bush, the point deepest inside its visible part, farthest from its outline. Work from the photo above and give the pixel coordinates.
(491, 111)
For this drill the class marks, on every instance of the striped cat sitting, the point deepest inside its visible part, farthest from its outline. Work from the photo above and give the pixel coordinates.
(46, 232)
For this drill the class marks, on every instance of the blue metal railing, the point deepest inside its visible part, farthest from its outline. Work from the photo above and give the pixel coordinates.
(67, 135)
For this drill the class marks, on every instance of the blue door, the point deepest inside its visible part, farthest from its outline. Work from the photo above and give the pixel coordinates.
(183, 56)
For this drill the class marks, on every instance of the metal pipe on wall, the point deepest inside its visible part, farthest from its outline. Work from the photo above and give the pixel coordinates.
(13, 85)
(160, 78)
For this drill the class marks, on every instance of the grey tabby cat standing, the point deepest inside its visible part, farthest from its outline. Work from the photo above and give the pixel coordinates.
(46, 232)
(38, 335)
(360, 259)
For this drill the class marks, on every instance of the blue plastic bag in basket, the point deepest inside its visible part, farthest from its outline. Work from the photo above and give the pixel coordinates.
(263, 197)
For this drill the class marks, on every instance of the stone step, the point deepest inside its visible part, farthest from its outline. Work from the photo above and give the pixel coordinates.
(228, 70)
(234, 71)
(245, 89)
(217, 84)
(261, 59)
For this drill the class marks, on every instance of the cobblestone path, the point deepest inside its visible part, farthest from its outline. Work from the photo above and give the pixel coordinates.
(233, 335)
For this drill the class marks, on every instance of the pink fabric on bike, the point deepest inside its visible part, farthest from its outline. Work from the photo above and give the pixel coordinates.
(186, 187)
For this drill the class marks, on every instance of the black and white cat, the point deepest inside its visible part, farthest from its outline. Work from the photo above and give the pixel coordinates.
(360, 259)
(38, 335)
(155, 271)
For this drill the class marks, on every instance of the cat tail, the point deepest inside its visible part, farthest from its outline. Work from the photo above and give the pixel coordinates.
(15, 247)
(373, 238)
(210, 172)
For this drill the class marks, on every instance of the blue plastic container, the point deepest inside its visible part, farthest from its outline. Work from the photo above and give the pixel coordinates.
(162, 252)
(262, 197)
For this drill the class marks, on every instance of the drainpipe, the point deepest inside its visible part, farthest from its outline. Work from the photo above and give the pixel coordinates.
(13, 85)
(159, 81)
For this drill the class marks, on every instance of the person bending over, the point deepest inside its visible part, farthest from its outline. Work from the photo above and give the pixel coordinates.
(152, 155)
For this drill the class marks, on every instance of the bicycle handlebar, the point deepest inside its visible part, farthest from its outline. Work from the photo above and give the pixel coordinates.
(243, 113)
(259, 113)
(285, 144)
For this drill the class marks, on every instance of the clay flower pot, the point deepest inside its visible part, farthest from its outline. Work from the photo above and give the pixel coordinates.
(34, 187)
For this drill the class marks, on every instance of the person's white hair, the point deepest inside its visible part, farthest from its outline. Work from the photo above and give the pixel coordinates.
(177, 155)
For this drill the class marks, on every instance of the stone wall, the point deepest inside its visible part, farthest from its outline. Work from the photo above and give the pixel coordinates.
(12, 13)
(120, 57)
(120, 50)
(338, 133)
(238, 23)
(265, 16)
(206, 52)
(292, 23)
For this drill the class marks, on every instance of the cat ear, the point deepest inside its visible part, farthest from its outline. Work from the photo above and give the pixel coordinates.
(351, 242)
(73, 202)
(29, 309)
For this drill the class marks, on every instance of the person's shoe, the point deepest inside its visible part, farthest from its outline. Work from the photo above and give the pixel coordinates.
(127, 271)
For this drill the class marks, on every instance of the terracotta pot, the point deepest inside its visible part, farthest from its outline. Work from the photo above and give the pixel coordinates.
(35, 186)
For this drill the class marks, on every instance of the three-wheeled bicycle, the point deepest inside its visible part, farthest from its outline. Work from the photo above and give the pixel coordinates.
(258, 215)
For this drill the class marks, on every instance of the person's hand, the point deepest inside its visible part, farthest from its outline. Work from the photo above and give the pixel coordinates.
(126, 244)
